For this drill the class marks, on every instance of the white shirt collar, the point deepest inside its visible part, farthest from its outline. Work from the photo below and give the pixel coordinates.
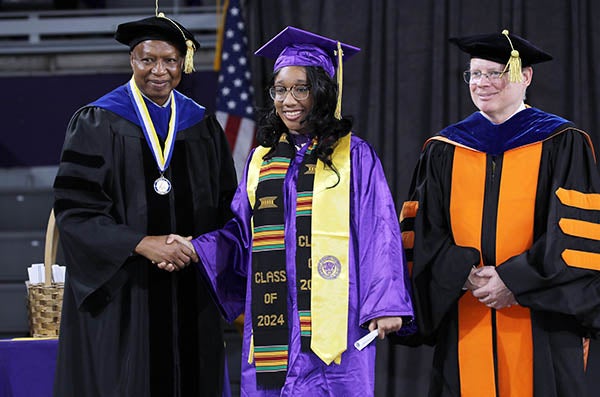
(160, 106)
(521, 107)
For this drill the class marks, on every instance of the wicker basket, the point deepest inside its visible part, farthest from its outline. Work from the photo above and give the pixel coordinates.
(44, 301)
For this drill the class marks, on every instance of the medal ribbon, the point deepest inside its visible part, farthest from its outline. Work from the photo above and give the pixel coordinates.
(162, 157)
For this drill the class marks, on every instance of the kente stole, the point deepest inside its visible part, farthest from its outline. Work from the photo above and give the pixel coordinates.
(320, 240)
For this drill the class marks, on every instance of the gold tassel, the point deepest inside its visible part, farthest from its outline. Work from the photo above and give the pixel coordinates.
(188, 65)
(340, 79)
(514, 63)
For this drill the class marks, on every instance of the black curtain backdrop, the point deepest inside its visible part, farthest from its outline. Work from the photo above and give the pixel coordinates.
(406, 84)
(36, 139)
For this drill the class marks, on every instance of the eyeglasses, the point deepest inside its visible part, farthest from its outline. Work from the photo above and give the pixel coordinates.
(299, 92)
(474, 77)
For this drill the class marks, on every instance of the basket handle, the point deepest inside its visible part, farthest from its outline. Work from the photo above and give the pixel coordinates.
(50, 247)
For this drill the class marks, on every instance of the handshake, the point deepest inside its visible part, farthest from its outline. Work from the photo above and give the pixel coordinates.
(170, 252)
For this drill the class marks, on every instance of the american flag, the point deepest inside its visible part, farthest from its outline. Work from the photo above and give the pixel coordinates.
(235, 110)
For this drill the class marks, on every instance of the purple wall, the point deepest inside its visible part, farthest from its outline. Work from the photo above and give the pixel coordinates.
(36, 110)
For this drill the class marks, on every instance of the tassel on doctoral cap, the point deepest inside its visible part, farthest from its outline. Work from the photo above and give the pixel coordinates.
(190, 48)
(160, 27)
(514, 62)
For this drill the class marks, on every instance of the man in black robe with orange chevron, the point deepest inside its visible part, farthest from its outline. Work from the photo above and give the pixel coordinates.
(506, 255)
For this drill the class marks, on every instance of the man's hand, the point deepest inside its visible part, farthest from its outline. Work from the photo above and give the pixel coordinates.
(494, 294)
(385, 325)
(166, 255)
(475, 280)
(184, 242)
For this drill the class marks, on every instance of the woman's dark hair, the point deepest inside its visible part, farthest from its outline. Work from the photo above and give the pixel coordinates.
(320, 120)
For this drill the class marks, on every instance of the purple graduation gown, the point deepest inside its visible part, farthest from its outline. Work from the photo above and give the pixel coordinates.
(378, 279)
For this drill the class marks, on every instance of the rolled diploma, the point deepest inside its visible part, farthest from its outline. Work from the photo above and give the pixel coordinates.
(365, 340)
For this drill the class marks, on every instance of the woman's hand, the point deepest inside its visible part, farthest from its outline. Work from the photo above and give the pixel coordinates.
(385, 325)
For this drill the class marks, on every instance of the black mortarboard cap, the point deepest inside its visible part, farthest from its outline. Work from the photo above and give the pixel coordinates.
(502, 48)
(159, 28)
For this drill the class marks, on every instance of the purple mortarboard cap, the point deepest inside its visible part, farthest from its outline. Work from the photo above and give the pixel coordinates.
(297, 47)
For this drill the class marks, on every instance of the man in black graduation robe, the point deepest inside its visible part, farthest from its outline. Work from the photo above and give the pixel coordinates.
(130, 328)
(503, 231)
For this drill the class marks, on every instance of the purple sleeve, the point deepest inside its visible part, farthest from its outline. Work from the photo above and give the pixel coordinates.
(225, 256)
(384, 287)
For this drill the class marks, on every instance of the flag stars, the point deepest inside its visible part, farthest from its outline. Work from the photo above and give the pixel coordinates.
(235, 88)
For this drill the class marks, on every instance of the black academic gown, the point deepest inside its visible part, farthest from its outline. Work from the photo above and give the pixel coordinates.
(564, 301)
(127, 328)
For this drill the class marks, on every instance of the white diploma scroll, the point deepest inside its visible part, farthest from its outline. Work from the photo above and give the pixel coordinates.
(365, 340)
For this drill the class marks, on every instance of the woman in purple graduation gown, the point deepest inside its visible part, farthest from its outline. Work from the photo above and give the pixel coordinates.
(313, 257)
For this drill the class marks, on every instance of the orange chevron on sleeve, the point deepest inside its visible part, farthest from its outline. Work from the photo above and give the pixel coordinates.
(574, 198)
(409, 210)
(581, 259)
(408, 239)
(579, 228)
